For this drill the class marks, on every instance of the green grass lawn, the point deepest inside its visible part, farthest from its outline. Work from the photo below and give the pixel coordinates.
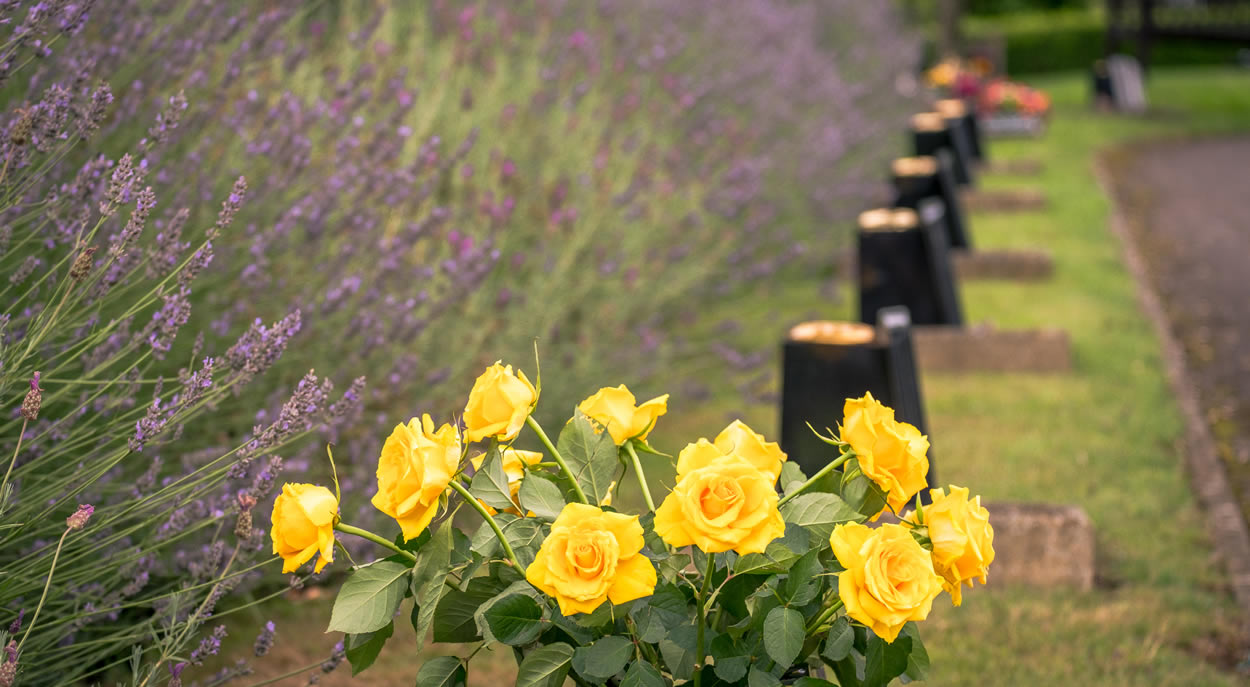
(1105, 436)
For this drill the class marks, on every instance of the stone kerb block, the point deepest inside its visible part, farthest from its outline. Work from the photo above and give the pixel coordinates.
(1042, 544)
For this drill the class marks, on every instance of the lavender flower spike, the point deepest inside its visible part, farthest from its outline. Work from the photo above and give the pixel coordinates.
(80, 517)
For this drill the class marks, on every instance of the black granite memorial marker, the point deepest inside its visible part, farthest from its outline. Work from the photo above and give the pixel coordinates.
(931, 132)
(957, 112)
(825, 363)
(904, 259)
(929, 176)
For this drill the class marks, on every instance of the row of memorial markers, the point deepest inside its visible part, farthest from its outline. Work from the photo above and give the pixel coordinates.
(905, 278)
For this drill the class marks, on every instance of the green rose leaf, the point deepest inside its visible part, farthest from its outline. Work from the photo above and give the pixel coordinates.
(730, 661)
(779, 555)
(883, 662)
(490, 483)
(804, 580)
(840, 640)
(541, 496)
(819, 513)
(453, 621)
(643, 674)
(362, 650)
(813, 682)
(791, 477)
(591, 455)
(859, 492)
(546, 666)
(602, 659)
(759, 678)
(783, 635)
(369, 598)
(442, 671)
(918, 659)
(511, 618)
(678, 651)
(429, 577)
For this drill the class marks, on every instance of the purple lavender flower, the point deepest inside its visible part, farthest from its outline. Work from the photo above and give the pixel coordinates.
(80, 517)
(264, 640)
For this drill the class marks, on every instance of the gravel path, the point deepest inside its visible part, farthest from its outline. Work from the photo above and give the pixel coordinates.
(1188, 206)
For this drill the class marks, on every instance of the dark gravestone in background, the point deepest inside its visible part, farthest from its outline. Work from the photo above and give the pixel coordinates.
(917, 178)
(825, 363)
(958, 114)
(930, 133)
(904, 260)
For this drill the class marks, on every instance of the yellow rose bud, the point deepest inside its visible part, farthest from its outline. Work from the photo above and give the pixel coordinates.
(303, 525)
(498, 404)
(892, 454)
(416, 465)
(592, 556)
(743, 441)
(721, 502)
(514, 463)
(963, 540)
(889, 577)
(616, 409)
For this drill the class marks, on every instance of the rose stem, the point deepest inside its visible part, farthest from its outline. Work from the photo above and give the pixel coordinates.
(503, 541)
(642, 479)
(825, 615)
(698, 646)
(366, 534)
(564, 467)
(818, 476)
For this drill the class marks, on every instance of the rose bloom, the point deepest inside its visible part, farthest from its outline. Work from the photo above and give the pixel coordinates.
(514, 462)
(592, 556)
(498, 404)
(741, 440)
(889, 577)
(892, 454)
(414, 469)
(303, 525)
(617, 410)
(721, 502)
(963, 540)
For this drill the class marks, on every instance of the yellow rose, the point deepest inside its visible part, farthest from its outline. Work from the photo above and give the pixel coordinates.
(890, 453)
(498, 404)
(303, 524)
(963, 540)
(741, 440)
(592, 556)
(616, 410)
(889, 577)
(416, 465)
(514, 462)
(721, 502)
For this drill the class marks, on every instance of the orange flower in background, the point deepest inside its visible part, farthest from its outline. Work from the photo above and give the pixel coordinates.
(303, 525)
(592, 556)
(889, 578)
(962, 537)
(498, 404)
(416, 464)
(721, 502)
(892, 454)
(618, 411)
(515, 461)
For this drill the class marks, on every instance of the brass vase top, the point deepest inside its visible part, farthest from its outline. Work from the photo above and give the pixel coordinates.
(831, 332)
(889, 219)
(919, 166)
(952, 108)
(928, 121)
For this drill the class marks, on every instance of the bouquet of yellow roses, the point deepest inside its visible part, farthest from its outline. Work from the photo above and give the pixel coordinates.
(748, 572)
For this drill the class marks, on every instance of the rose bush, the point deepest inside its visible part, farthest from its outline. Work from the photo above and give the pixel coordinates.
(727, 581)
